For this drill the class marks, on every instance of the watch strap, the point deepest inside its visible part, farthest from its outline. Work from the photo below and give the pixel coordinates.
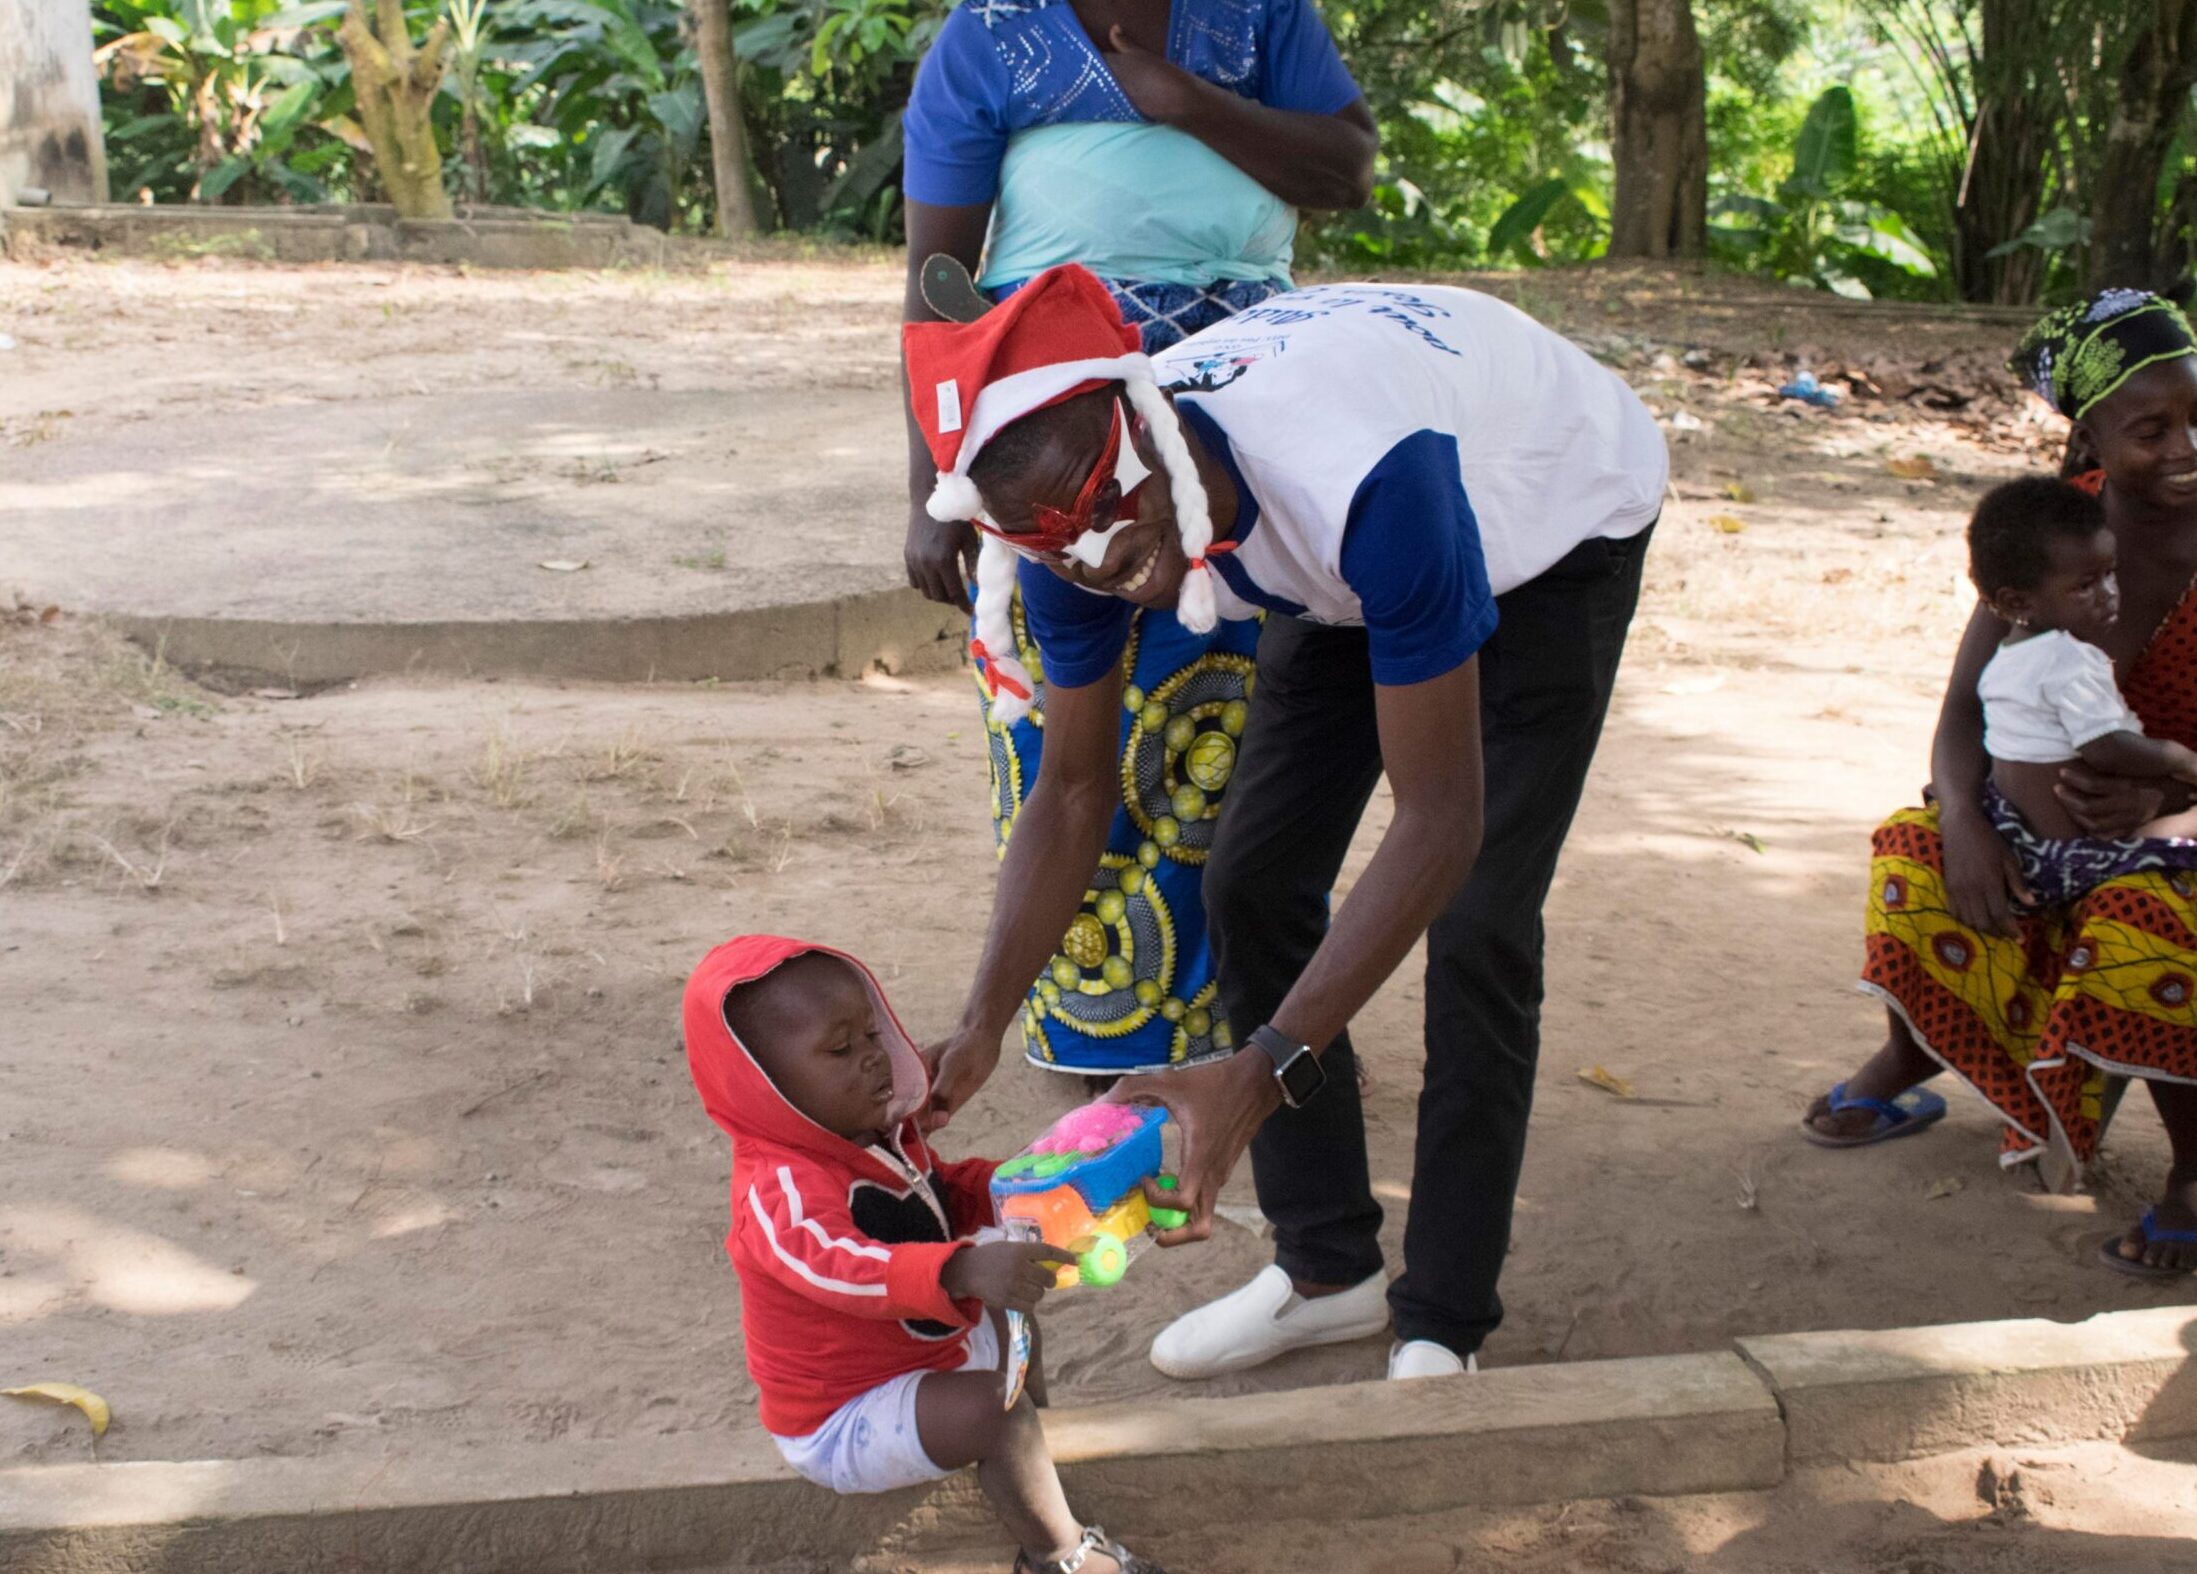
(1277, 1046)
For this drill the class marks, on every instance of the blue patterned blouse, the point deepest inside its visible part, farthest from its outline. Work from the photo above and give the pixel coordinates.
(1003, 66)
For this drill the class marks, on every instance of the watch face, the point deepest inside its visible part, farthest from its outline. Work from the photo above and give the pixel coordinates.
(1302, 1078)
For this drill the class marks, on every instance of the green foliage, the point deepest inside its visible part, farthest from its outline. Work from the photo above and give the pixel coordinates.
(1838, 134)
(558, 104)
(2061, 230)
(1817, 230)
(223, 98)
(828, 80)
(1482, 119)
(1828, 148)
(596, 104)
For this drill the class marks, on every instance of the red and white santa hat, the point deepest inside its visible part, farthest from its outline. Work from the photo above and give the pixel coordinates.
(1058, 336)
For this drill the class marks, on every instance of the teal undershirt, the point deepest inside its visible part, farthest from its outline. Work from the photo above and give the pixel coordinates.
(1133, 201)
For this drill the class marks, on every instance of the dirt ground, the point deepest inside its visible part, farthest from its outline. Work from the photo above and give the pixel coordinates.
(377, 445)
(341, 1099)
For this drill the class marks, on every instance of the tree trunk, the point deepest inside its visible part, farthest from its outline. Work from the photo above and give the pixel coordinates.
(2003, 195)
(475, 157)
(2128, 243)
(2022, 104)
(1658, 130)
(396, 87)
(728, 127)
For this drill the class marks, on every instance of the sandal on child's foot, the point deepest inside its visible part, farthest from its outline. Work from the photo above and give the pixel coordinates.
(1094, 1540)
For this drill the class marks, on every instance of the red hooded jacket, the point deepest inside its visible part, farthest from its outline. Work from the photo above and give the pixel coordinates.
(839, 1247)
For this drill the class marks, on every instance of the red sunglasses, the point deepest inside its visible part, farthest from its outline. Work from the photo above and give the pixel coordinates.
(1097, 506)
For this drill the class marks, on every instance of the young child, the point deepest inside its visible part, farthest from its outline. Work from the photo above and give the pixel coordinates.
(2042, 559)
(866, 1266)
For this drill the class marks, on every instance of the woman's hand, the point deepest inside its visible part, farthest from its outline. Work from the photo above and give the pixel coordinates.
(1983, 878)
(1219, 1107)
(2113, 807)
(941, 557)
(960, 1064)
(1161, 90)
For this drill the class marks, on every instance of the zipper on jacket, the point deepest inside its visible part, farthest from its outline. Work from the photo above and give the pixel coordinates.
(900, 1164)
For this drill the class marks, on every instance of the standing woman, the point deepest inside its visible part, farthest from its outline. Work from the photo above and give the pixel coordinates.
(1167, 148)
(2037, 1008)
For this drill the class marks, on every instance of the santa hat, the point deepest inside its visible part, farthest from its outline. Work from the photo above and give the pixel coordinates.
(1058, 336)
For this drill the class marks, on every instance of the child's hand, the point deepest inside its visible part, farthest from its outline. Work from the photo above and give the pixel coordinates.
(1010, 1274)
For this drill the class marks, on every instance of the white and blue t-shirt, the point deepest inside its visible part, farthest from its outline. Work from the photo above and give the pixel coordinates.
(1402, 456)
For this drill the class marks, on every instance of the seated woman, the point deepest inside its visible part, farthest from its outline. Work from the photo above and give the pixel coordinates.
(1167, 145)
(2039, 1008)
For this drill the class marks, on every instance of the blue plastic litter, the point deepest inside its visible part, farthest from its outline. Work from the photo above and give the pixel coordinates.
(1806, 389)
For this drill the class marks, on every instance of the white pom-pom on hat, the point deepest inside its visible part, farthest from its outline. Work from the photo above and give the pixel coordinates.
(954, 497)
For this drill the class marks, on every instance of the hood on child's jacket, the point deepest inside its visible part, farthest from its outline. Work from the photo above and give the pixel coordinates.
(739, 1096)
(842, 1249)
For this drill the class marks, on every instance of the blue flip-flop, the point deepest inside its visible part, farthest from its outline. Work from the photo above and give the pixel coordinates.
(1896, 1117)
(2136, 1268)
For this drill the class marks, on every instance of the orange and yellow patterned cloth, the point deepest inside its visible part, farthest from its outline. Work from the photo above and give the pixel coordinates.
(2106, 987)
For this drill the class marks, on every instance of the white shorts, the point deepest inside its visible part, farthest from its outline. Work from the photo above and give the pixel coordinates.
(870, 1443)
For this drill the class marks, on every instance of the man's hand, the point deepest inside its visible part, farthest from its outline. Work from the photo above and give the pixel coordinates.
(1010, 1274)
(2113, 807)
(1161, 90)
(941, 557)
(959, 1066)
(1218, 1107)
(1983, 878)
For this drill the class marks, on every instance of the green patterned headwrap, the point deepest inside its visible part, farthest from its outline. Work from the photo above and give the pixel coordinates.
(2080, 354)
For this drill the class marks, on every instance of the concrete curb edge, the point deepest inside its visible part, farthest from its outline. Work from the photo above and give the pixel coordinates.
(896, 630)
(1658, 1425)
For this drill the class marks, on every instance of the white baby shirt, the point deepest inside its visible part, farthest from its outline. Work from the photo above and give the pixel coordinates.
(2046, 696)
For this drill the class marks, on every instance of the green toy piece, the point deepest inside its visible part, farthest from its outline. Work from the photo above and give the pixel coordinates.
(1103, 1263)
(1169, 1218)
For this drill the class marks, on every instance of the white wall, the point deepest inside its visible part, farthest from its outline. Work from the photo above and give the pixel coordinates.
(49, 101)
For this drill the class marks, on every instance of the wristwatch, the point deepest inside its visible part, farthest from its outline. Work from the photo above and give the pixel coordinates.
(1296, 1069)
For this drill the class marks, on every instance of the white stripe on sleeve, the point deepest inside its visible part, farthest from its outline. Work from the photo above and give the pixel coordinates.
(839, 1286)
(803, 1222)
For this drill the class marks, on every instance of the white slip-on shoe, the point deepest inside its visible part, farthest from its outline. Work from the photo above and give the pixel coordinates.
(1264, 1318)
(1425, 1358)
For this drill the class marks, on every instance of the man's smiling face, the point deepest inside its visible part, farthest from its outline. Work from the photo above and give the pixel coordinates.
(1142, 559)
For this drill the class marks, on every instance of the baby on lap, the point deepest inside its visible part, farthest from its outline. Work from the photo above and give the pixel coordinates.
(2042, 559)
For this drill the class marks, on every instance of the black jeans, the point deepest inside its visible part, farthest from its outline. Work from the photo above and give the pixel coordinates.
(1310, 760)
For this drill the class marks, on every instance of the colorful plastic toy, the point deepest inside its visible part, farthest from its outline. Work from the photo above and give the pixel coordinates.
(1079, 1184)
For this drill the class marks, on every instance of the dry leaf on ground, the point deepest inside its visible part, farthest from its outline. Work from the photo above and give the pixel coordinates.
(1730, 524)
(1607, 1081)
(1916, 468)
(94, 1408)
